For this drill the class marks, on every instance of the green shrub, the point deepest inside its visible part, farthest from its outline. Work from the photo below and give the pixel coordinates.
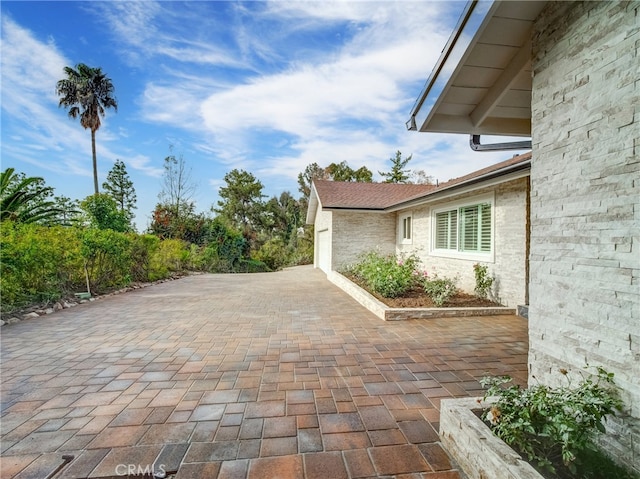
(440, 290)
(170, 257)
(143, 248)
(274, 253)
(102, 212)
(388, 275)
(484, 282)
(38, 263)
(549, 425)
(108, 258)
(252, 266)
(44, 263)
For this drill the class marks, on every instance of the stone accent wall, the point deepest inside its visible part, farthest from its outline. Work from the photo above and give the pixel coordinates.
(355, 233)
(585, 201)
(510, 231)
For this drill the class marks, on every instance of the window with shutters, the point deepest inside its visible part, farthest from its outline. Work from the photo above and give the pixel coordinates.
(464, 229)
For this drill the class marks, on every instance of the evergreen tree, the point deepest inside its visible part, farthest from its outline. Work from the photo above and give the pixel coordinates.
(241, 204)
(310, 173)
(343, 172)
(68, 211)
(398, 173)
(334, 172)
(120, 187)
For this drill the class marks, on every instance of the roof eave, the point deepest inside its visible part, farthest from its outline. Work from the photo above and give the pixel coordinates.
(481, 85)
(312, 208)
(420, 113)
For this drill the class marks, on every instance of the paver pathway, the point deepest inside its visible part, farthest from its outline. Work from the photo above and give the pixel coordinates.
(240, 376)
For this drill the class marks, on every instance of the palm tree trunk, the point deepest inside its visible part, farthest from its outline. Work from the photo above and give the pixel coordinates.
(95, 161)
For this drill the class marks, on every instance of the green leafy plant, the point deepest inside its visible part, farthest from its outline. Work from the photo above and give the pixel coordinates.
(440, 290)
(388, 275)
(37, 263)
(551, 425)
(484, 281)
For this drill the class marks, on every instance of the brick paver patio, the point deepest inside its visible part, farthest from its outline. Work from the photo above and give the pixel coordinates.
(240, 376)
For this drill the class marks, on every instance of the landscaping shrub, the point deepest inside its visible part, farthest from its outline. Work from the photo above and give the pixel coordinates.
(252, 266)
(108, 258)
(484, 282)
(274, 253)
(38, 263)
(171, 256)
(143, 248)
(44, 263)
(440, 290)
(551, 425)
(388, 275)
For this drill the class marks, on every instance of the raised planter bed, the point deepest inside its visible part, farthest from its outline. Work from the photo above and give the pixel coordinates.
(478, 452)
(396, 314)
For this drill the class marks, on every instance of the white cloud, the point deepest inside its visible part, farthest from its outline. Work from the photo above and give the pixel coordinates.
(317, 104)
(142, 163)
(48, 138)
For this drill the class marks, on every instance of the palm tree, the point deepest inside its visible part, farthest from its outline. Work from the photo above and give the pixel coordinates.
(25, 199)
(87, 92)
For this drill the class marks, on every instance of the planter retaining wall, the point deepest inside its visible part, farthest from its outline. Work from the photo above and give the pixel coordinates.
(478, 452)
(386, 313)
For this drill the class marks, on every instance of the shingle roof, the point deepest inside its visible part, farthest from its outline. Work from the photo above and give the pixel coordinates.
(370, 196)
(380, 196)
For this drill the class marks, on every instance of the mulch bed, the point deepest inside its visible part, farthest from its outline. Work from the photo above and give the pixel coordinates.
(417, 298)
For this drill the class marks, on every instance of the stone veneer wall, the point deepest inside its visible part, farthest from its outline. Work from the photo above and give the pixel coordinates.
(355, 233)
(585, 208)
(510, 230)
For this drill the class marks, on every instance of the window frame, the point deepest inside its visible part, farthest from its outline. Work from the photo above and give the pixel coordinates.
(403, 220)
(458, 206)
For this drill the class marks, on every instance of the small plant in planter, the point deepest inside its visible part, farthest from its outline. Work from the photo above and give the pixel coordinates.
(549, 426)
(388, 275)
(484, 281)
(439, 289)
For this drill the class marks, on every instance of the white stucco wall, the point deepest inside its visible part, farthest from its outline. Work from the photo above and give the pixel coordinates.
(585, 201)
(509, 260)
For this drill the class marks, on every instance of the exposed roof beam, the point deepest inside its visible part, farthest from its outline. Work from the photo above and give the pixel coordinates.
(501, 85)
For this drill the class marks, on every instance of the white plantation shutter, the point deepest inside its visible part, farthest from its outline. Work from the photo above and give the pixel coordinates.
(485, 228)
(465, 229)
(447, 230)
(475, 228)
(469, 228)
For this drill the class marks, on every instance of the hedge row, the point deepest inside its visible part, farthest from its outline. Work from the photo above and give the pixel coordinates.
(40, 263)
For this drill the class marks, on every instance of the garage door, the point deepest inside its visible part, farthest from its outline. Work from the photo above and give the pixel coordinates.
(324, 251)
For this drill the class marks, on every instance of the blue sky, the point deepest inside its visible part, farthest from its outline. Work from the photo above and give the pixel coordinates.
(268, 87)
